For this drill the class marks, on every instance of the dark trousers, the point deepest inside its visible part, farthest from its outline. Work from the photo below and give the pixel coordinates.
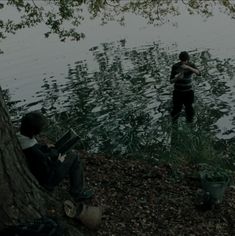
(183, 98)
(71, 167)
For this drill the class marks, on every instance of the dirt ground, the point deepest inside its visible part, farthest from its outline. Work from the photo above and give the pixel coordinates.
(142, 200)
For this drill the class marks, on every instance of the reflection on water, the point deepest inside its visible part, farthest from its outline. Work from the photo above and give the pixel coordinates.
(122, 106)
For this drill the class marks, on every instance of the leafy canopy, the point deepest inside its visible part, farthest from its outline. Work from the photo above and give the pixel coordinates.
(63, 17)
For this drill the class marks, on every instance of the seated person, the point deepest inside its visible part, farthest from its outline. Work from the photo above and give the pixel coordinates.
(45, 163)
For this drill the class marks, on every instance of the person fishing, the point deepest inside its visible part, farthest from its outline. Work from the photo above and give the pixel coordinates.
(183, 94)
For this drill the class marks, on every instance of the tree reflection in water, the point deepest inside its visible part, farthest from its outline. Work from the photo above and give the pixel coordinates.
(120, 102)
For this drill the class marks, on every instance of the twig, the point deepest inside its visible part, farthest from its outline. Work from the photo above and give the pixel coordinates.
(35, 4)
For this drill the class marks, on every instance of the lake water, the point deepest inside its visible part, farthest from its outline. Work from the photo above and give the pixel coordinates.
(113, 86)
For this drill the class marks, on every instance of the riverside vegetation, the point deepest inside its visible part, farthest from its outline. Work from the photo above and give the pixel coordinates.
(149, 197)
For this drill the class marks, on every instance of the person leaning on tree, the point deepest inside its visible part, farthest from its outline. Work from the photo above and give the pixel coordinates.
(46, 164)
(183, 94)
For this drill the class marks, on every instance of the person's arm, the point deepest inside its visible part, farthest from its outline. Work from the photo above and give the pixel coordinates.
(173, 74)
(51, 152)
(191, 68)
(176, 74)
(45, 160)
(43, 147)
(38, 160)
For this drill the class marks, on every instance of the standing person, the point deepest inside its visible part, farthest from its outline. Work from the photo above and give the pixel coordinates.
(46, 164)
(183, 94)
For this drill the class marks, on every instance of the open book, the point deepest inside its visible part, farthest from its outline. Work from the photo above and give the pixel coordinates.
(67, 141)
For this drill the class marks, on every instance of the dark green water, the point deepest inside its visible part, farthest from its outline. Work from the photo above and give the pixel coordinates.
(113, 87)
(123, 105)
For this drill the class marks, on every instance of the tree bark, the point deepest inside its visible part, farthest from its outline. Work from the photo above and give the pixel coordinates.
(21, 197)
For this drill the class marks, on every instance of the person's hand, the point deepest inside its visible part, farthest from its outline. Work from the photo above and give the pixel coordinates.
(50, 145)
(61, 157)
(196, 71)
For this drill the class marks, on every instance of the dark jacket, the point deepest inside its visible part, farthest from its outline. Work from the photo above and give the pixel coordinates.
(185, 82)
(41, 159)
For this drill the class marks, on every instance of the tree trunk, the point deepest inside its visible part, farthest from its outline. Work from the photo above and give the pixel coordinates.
(21, 197)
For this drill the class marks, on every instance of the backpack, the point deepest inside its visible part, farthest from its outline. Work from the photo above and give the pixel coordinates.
(44, 226)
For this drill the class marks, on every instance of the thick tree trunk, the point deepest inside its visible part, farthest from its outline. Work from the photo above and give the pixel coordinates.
(21, 197)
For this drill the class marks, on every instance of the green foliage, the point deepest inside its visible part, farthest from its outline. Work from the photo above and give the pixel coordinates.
(194, 145)
(199, 148)
(213, 173)
(56, 13)
(53, 13)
